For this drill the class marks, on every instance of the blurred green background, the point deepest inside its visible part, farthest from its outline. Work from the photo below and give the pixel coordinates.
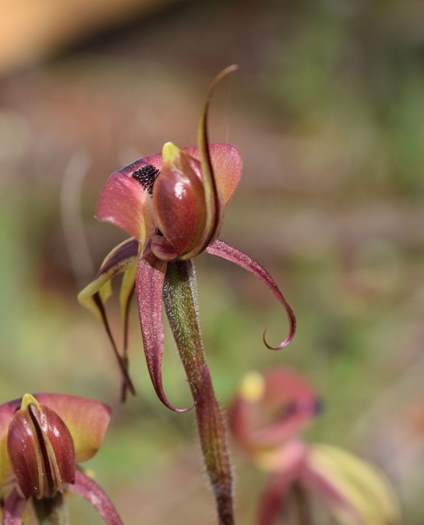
(328, 112)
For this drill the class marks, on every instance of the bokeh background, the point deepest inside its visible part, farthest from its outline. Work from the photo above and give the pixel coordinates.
(328, 112)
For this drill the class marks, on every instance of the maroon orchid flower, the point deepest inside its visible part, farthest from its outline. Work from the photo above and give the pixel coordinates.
(43, 438)
(265, 420)
(171, 204)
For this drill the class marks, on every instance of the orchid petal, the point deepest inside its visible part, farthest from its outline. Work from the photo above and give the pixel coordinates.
(14, 509)
(125, 295)
(7, 411)
(293, 399)
(125, 198)
(227, 167)
(179, 201)
(274, 496)
(354, 491)
(149, 286)
(180, 298)
(121, 259)
(229, 253)
(95, 495)
(162, 249)
(87, 421)
(212, 202)
(114, 263)
(269, 411)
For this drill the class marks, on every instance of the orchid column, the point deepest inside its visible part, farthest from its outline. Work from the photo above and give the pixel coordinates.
(172, 206)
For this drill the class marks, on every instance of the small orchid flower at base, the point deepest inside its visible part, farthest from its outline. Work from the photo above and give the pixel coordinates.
(43, 438)
(265, 419)
(171, 204)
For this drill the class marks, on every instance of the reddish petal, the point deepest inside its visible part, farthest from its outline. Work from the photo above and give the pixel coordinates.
(125, 298)
(88, 489)
(7, 411)
(125, 202)
(227, 166)
(329, 493)
(224, 251)
(291, 401)
(162, 249)
(274, 497)
(86, 419)
(269, 411)
(149, 286)
(14, 508)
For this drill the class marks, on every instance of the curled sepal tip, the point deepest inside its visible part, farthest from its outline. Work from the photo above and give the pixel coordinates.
(229, 253)
(212, 201)
(148, 288)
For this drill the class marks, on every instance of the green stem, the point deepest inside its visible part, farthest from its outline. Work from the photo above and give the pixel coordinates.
(180, 298)
(51, 511)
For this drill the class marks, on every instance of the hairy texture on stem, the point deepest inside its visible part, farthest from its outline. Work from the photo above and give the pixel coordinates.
(229, 253)
(91, 492)
(14, 509)
(180, 298)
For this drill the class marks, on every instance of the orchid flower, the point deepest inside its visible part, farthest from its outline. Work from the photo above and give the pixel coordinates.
(43, 438)
(265, 420)
(171, 204)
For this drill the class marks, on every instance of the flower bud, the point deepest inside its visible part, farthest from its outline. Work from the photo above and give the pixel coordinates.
(41, 450)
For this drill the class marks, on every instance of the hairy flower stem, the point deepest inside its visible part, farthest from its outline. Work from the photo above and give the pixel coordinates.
(180, 298)
(51, 511)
